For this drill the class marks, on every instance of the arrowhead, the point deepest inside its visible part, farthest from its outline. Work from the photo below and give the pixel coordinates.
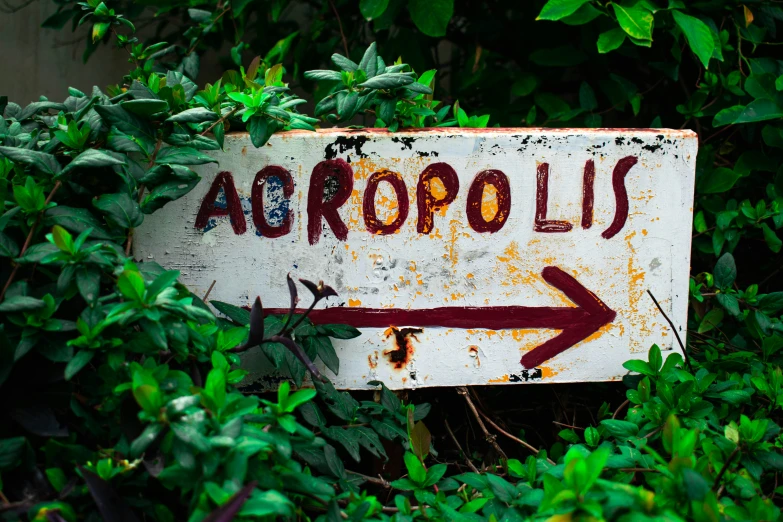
(595, 315)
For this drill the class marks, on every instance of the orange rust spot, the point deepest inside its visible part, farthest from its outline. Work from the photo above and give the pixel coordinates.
(372, 362)
(244, 151)
(469, 276)
(546, 372)
(644, 231)
(354, 302)
(499, 380)
(402, 353)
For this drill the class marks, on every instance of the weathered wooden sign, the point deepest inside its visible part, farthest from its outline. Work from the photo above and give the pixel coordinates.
(464, 256)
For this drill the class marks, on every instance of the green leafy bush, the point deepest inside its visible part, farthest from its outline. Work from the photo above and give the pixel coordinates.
(122, 391)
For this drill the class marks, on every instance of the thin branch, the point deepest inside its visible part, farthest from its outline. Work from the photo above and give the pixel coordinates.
(29, 238)
(677, 335)
(380, 481)
(724, 468)
(512, 437)
(151, 163)
(492, 439)
(620, 408)
(340, 25)
(206, 296)
(459, 447)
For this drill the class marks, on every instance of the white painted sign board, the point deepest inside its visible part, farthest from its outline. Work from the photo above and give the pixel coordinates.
(464, 256)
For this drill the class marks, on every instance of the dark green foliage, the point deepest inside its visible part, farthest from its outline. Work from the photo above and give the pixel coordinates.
(120, 388)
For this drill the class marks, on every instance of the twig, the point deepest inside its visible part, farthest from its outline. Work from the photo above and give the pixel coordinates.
(512, 437)
(487, 435)
(459, 447)
(151, 163)
(340, 25)
(724, 468)
(567, 425)
(221, 120)
(380, 481)
(29, 238)
(619, 408)
(4, 498)
(640, 470)
(206, 296)
(677, 335)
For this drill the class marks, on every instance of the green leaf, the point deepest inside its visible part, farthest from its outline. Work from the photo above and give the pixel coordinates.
(431, 16)
(93, 158)
(760, 110)
(260, 131)
(727, 116)
(76, 220)
(235, 313)
(729, 303)
(587, 99)
(146, 438)
(638, 366)
(371, 9)
(718, 180)
(88, 281)
(194, 115)
(339, 331)
(42, 161)
(164, 193)
(711, 320)
(131, 285)
(725, 271)
(415, 469)
(636, 21)
(323, 75)
(120, 208)
(79, 361)
(773, 241)
(8, 247)
(610, 40)
(697, 33)
(21, 303)
(327, 354)
(145, 108)
(620, 429)
(183, 156)
(344, 63)
(557, 9)
(130, 124)
(388, 81)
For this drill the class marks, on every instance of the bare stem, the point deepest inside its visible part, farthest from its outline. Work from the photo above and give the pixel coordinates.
(29, 238)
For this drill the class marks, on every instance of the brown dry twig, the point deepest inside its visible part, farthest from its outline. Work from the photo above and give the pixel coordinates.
(512, 437)
(459, 447)
(492, 439)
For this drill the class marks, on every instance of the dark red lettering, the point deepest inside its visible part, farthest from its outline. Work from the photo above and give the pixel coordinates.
(317, 208)
(371, 221)
(476, 219)
(426, 202)
(542, 197)
(233, 208)
(588, 197)
(620, 195)
(257, 201)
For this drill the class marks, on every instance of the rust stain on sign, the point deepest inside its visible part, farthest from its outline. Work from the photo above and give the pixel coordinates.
(401, 354)
(498, 255)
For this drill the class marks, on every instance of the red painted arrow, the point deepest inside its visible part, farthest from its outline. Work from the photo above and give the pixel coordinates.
(576, 323)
